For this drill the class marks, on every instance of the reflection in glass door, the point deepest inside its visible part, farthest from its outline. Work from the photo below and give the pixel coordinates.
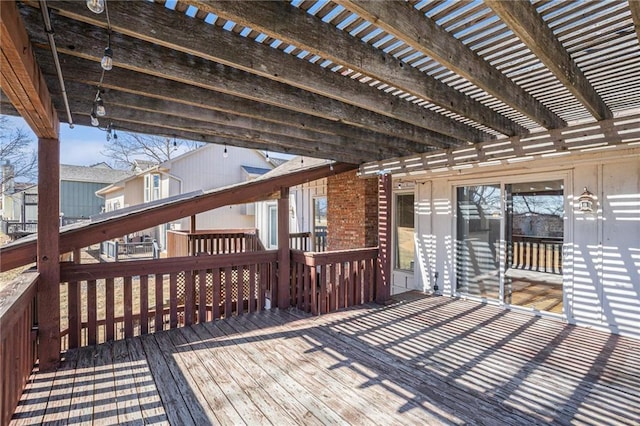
(534, 234)
(479, 223)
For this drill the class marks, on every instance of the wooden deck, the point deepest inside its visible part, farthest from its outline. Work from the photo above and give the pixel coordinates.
(423, 360)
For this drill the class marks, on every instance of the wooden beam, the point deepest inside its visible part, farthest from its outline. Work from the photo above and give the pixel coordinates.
(24, 251)
(141, 20)
(528, 25)
(304, 32)
(284, 256)
(48, 253)
(86, 72)
(80, 40)
(404, 22)
(142, 109)
(151, 123)
(20, 76)
(385, 203)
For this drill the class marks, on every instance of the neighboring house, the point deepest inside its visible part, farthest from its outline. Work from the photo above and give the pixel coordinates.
(204, 168)
(78, 200)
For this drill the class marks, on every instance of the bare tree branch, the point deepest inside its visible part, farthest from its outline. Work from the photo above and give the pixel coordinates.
(16, 149)
(126, 148)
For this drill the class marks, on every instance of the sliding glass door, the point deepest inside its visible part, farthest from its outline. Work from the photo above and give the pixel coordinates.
(479, 223)
(509, 243)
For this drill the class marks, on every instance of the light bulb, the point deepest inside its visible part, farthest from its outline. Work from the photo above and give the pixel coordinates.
(107, 59)
(94, 119)
(115, 135)
(96, 6)
(100, 111)
(225, 153)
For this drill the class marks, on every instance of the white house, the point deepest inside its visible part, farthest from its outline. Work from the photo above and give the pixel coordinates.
(208, 167)
(558, 236)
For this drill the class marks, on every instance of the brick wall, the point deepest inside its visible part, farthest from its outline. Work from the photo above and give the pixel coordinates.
(352, 212)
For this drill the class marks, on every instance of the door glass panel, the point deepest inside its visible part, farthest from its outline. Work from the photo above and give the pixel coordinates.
(405, 248)
(534, 234)
(477, 240)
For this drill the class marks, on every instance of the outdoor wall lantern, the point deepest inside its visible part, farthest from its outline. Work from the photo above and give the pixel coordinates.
(586, 200)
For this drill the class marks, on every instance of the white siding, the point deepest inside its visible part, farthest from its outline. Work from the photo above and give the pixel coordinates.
(601, 271)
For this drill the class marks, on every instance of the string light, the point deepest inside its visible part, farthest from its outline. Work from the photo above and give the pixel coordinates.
(175, 144)
(96, 6)
(267, 156)
(99, 105)
(107, 59)
(94, 119)
(225, 153)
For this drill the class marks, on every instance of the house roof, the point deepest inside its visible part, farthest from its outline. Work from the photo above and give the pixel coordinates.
(349, 80)
(255, 170)
(91, 174)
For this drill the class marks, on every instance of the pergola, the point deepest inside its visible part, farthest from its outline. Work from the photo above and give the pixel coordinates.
(389, 86)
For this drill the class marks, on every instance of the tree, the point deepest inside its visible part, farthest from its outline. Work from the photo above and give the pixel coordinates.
(17, 149)
(124, 148)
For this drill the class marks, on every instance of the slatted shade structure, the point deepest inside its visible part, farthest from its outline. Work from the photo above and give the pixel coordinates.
(356, 81)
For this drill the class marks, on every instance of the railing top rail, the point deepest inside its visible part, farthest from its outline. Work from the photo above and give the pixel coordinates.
(70, 272)
(247, 231)
(14, 294)
(326, 257)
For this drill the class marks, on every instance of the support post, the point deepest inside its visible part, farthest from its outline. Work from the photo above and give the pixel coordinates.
(284, 256)
(383, 276)
(48, 253)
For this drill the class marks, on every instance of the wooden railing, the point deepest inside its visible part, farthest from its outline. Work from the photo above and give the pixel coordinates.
(116, 250)
(183, 243)
(536, 254)
(325, 282)
(302, 241)
(18, 342)
(139, 297)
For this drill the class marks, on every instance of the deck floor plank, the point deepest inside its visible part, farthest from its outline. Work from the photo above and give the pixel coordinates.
(421, 360)
(146, 389)
(127, 402)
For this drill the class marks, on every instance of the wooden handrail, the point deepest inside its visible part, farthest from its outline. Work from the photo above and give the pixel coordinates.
(18, 342)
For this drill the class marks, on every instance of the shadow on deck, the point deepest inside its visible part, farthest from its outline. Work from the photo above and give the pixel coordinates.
(422, 360)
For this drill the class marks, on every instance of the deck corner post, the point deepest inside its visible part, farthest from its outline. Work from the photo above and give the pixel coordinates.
(284, 255)
(48, 252)
(383, 270)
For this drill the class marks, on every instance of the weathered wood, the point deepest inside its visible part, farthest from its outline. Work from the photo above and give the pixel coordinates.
(127, 404)
(18, 349)
(528, 25)
(423, 34)
(92, 311)
(20, 77)
(284, 281)
(128, 307)
(304, 32)
(383, 276)
(22, 252)
(159, 303)
(48, 252)
(402, 119)
(242, 53)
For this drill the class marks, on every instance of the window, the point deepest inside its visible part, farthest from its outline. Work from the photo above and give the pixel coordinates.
(273, 226)
(320, 223)
(151, 187)
(404, 230)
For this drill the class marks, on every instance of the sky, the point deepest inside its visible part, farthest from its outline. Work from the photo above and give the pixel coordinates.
(80, 146)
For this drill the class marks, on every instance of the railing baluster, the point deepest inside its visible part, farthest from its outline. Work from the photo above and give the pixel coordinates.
(159, 305)
(91, 312)
(228, 298)
(144, 304)
(202, 299)
(109, 309)
(75, 325)
(216, 293)
(128, 307)
(240, 303)
(188, 297)
(252, 288)
(173, 300)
